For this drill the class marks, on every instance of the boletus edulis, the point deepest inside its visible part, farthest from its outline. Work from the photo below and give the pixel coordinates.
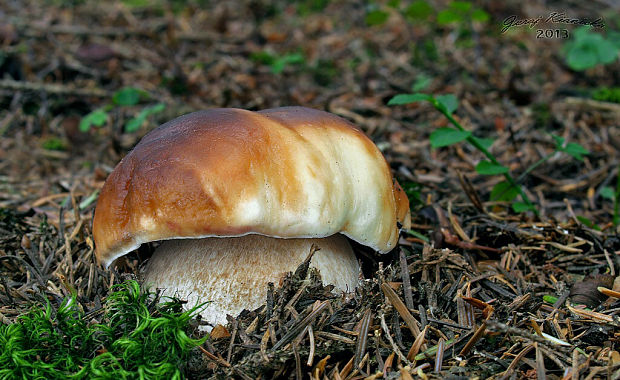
(237, 199)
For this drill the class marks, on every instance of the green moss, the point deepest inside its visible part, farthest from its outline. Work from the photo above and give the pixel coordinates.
(135, 340)
(53, 143)
(607, 94)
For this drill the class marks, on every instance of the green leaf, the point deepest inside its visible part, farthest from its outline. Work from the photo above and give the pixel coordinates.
(587, 222)
(521, 207)
(97, 118)
(418, 10)
(136, 122)
(263, 57)
(376, 17)
(550, 299)
(485, 142)
(418, 235)
(448, 102)
(480, 15)
(409, 98)
(588, 49)
(448, 17)
(503, 191)
(489, 168)
(559, 141)
(581, 57)
(575, 150)
(128, 96)
(581, 32)
(447, 136)
(421, 82)
(88, 200)
(608, 193)
(280, 63)
(614, 38)
(460, 6)
(606, 52)
(430, 352)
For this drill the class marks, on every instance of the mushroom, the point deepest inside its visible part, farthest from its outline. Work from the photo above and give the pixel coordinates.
(238, 199)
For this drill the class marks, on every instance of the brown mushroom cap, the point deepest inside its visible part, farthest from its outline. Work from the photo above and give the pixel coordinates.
(288, 172)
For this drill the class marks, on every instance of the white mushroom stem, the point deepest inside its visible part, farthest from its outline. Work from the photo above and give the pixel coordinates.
(233, 273)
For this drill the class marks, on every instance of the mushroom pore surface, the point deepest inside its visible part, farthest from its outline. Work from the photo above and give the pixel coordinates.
(233, 272)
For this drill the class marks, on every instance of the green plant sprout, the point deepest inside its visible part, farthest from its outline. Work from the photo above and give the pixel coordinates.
(607, 94)
(53, 143)
(457, 12)
(125, 97)
(376, 16)
(506, 190)
(277, 63)
(138, 339)
(588, 49)
(461, 12)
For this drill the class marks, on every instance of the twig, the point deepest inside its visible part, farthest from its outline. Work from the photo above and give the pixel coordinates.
(154, 31)
(23, 262)
(300, 326)
(232, 340)
(395, 348)
(55, 89)
(498, 326)
(516, 361)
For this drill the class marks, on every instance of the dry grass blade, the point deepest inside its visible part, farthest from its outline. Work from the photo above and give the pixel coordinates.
(362, 338)
(608, 292)
(536, 328)
(297, 362)
(346, 370)
(404, 272)
(487, 310)
(401, 309)
(336, 337)
(575, 367)
(263, 345)
(300, 326)
(404, 374)
(417, 344)
(439, 355)
(217, 359)
(312, 346)
(470, 191)
(597, 317)
(318, 370)
(474, 339)
(387, 366)
(515, 362)
(541, 372)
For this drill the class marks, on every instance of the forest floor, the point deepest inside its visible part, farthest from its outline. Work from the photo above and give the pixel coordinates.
(480, 287)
